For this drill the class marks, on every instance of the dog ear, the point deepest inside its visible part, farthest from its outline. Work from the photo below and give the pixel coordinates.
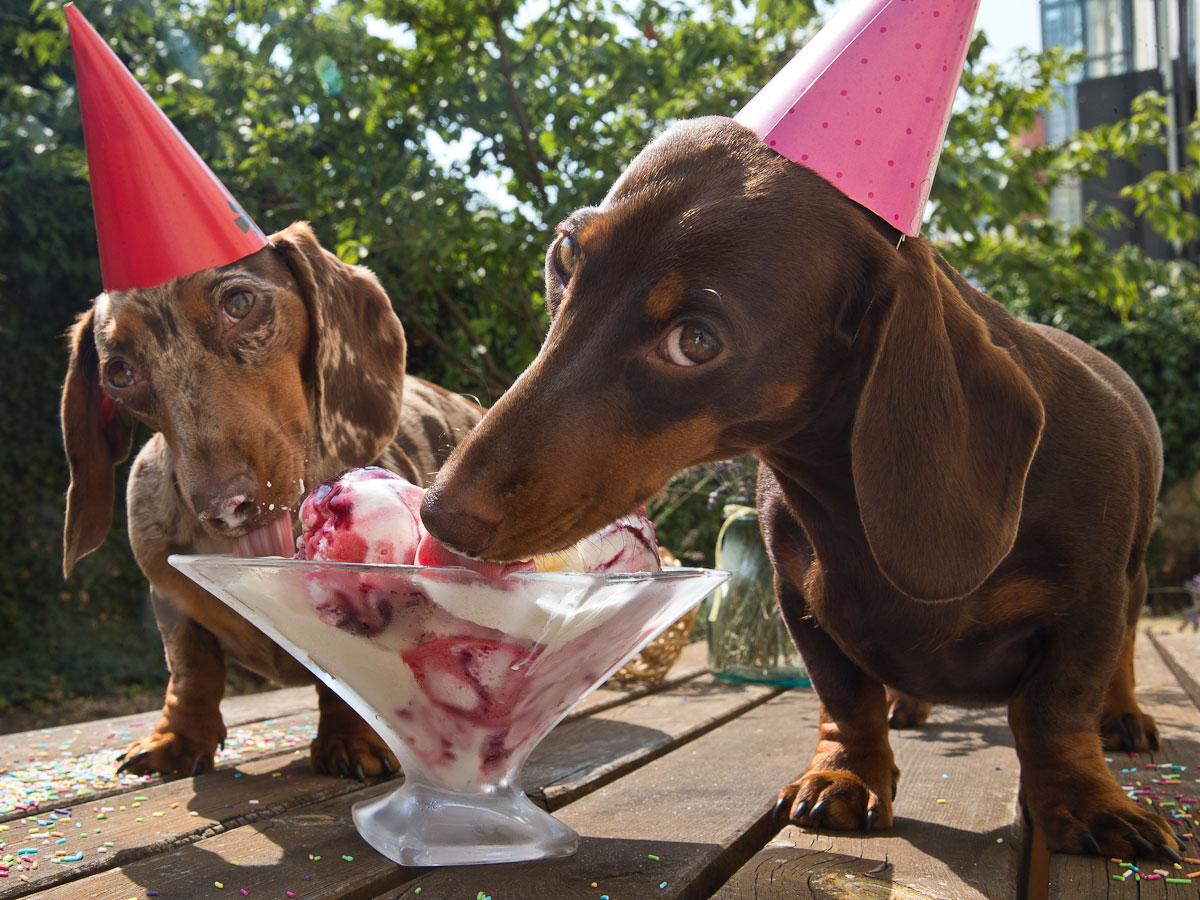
(943, 437)
(97, 436)
(357, 351)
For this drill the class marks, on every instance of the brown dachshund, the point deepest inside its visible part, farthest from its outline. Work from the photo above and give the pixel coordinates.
(956, 503)
(261, 379)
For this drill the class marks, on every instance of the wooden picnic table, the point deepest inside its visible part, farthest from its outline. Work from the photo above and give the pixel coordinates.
(670, 786)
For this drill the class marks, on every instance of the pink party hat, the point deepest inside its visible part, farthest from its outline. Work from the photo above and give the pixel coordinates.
(866, 102)
(160, 211)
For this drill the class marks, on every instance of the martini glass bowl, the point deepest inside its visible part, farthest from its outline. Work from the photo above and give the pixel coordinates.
(462, 676)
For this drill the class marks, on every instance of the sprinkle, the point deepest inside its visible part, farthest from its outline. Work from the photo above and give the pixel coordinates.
(1178, 880)
(1193, 874)
(218, 884)
(652, 856)
(74, 857)
(244, 892)
(663, 885)
(941, 800)
(348, 858)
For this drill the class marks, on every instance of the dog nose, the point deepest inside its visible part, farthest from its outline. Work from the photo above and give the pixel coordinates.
(469, 531)
(229, 505)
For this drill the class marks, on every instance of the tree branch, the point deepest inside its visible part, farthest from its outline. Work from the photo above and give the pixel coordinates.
(509, 73)
(465, 324)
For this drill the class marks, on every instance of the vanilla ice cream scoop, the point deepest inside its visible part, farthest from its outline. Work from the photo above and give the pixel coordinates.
(367, 515)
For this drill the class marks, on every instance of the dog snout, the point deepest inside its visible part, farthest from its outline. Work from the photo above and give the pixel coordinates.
(462, 524)
(229, 505)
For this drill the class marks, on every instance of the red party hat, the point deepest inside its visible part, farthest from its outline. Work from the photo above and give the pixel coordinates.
(866, 102)
(160, 211)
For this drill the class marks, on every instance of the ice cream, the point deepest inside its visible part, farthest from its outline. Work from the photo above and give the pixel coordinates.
(364, 515)
(488, 659)
(373, 515)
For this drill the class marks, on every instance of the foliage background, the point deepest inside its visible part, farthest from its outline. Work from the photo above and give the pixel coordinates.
(439, 141)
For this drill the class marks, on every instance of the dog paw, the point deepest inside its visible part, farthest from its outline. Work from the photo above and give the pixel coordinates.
(1128, 730)
(835, 799)
(905, 711)
(171, 753)
(360, 753)
(1103, 823)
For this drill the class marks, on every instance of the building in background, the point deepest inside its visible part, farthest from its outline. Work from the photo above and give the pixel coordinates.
(1129, 47)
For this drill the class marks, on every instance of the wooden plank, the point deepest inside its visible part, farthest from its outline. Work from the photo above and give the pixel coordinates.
(969, 846)
(139, 823)
(582, 755)
(231, 817)
(1181, 653)
(313, 851)
(117, 733)
(575, 759)
(674, 828)
(1161, 695)
(50, 783)
(55, 767)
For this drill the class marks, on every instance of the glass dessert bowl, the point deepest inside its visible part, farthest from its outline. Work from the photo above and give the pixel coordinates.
(460, 673)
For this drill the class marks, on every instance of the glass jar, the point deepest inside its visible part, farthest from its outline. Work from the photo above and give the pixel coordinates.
(747, 640)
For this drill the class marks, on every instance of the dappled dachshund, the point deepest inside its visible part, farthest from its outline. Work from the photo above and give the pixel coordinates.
(956, 503)
(261, 379)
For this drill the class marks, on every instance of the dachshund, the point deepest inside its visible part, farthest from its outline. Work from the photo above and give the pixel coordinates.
(259, 379)
(956, 503)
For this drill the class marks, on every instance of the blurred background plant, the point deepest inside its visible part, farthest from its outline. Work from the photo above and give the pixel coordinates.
(439, 143)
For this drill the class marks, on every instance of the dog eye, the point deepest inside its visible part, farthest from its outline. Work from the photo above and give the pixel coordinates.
(564, 254)
(237, 305)
(120, 374)
(690, 345)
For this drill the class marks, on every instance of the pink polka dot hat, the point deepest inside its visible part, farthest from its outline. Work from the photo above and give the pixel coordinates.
(865, 103)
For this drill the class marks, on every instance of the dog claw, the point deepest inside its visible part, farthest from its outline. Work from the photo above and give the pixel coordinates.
(132, 761)
(1091, 844)
(359, 773)
(801, 811)
(1170, 854)
(870, 826)
(387, 767)
(781, 809)
(320, 765)
(818, 812)
(1140, 843)
(343, 769)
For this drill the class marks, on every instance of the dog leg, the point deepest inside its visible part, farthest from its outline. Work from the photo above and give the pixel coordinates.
(851, 780)
(1123, 725)
(1066, 788)
(905, 711)
(345, 744)
(186, 737)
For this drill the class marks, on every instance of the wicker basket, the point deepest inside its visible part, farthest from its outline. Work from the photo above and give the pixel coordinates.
(657, 657)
